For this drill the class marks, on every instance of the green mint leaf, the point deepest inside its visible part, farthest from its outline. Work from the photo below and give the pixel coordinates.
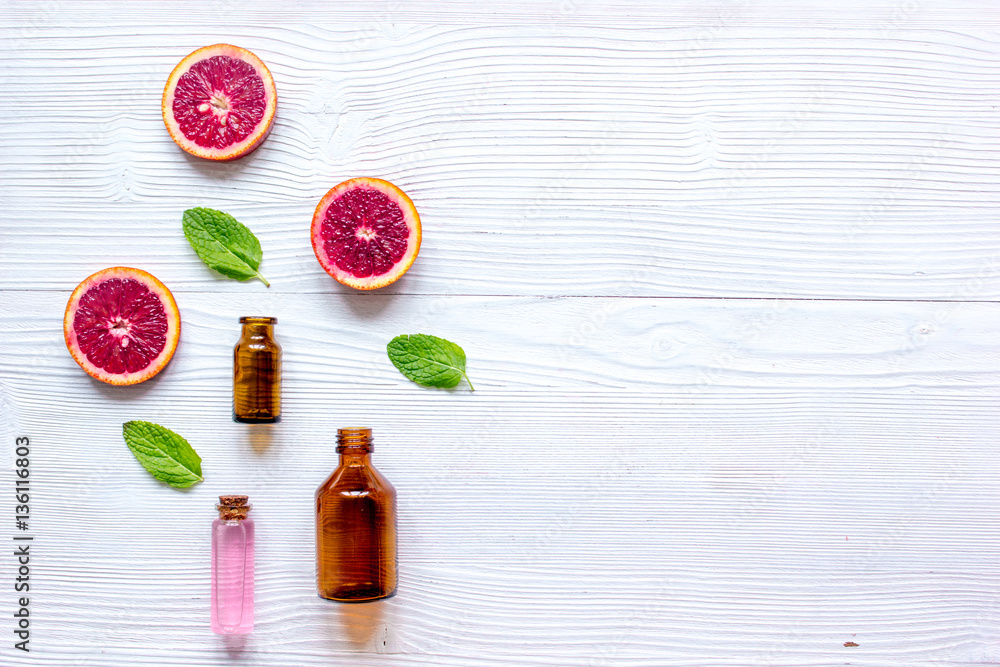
(223, 243)
(167, 456)
(428, 360)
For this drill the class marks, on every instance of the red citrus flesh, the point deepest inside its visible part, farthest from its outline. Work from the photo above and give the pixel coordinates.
(219, 102)
(122, 325)
(366, 233)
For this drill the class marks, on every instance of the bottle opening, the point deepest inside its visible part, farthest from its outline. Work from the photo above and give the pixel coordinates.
(354, 439)
(258, 320)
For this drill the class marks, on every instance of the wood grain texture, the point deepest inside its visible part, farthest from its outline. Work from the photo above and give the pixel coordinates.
(587, 161)
(727, 276)
(763, 488)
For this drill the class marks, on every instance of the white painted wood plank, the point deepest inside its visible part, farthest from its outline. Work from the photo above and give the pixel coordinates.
(807, 497)
(582, 161)
(706, 17)
(755, 548)
(744, 538)
(337, 343)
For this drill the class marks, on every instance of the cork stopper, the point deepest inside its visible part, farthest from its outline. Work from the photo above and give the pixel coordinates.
(233, 508)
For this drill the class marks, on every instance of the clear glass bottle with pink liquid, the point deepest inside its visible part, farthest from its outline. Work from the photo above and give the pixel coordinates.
(232, 567)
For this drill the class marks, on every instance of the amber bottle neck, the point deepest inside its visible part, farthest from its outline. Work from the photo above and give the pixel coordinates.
(354, 446)
(258, 326)
(258, 330)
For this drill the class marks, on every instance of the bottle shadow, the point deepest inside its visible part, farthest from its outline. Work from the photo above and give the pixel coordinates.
(360, 622)
(364, 626)
(236, 645)
(259, 436)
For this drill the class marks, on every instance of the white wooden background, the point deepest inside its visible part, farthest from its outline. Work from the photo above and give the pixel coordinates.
(728, 278)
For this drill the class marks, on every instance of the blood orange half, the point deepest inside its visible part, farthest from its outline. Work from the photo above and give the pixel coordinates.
(122, 325)
(366, 233)
(219, 102)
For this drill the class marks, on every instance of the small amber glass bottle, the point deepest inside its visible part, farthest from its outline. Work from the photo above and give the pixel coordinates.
(257, 373)
(356, 526)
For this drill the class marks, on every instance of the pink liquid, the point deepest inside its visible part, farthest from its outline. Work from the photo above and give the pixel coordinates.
(232, 576)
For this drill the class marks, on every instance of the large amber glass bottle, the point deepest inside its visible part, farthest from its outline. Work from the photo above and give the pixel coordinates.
(257, 373)
(356, 526)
